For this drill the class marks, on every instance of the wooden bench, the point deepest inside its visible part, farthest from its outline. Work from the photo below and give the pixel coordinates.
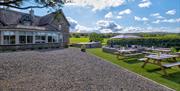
(117, 54)
(142, 59)
(148, 53)
(171, 64)
(135, 54)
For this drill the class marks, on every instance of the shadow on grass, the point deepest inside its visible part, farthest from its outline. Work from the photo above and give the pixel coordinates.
(172, 76)
(175, 77)
(132, 60)
(154, 70)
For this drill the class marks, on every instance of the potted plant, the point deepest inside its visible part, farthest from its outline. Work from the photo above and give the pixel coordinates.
(83, 48)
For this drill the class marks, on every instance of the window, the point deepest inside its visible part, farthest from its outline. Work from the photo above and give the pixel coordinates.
(22, 37)
(55, 37)
(49, 37)
(52, 37)
(25, 37)
(40, 37)
(60, 27)
(9, 37)
(60, 37)
(29, 37)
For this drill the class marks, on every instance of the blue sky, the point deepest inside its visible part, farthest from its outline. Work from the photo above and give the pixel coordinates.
(122, 16)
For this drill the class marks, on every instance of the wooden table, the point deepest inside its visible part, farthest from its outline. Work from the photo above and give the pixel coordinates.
(127, 50)
(178, 53)
(157, 60)
(124, 51)
(163, 50)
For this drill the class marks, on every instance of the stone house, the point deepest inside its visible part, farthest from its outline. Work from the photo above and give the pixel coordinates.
(27, 31)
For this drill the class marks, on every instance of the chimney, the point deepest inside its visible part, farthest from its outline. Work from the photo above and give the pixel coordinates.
(31, 12)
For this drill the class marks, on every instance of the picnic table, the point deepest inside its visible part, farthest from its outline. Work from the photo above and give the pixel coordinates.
(127, 50)
(122, 52)
(163, 50)
(157, 60)
(178, 53)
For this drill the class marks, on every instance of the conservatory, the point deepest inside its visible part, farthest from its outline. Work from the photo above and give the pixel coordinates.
(27, 37)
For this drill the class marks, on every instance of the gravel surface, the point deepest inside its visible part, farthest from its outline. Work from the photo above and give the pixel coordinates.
(66, 70)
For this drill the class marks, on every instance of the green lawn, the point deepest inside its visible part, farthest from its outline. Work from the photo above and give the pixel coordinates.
(150, 71)
(77, 40)
(82, 39)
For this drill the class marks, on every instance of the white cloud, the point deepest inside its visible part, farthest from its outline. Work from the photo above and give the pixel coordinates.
(137, 18)
(108, 15)
(145, 19)
(76, 27)
(157, 15)
(105, 31)
(171, 12)
(108, 26)
(126, 11)
(97, 4)
(145, 4)
(160, 17)
(167, 21)
(119, 17)
(140, 19)
(171, 20)
(177, 30)
(83, 29)
(131, 29)
(178, 20)
(156, 22)
(72, 22)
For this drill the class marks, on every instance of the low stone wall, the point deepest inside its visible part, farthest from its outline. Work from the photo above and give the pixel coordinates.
(89, 45)
(109, 50)
(30, 46)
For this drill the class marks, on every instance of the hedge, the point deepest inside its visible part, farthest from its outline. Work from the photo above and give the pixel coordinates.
(157, 42)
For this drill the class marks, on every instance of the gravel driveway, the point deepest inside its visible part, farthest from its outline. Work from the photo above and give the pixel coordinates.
(66, 70)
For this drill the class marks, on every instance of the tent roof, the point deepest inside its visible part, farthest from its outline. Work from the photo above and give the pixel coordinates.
(125, 36)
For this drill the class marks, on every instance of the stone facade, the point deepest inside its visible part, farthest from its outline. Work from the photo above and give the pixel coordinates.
(21, 30)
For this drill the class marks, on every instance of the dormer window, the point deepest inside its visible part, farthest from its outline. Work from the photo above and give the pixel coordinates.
(26, 20)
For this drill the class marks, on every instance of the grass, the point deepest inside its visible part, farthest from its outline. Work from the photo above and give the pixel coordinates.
(150, 71)
(77, 40)
(83, 39)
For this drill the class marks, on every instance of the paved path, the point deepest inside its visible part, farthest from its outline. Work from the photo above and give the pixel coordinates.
(66, 70)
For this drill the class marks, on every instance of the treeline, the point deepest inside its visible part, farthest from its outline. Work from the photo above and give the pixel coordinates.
(148, 41)
(109, 35)
(85, 35)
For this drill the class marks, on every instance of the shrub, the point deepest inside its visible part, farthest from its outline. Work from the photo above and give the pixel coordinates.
(95, 37)
(155, 41)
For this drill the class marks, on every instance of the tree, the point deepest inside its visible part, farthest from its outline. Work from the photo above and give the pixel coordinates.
(19, 4)
(95, 37)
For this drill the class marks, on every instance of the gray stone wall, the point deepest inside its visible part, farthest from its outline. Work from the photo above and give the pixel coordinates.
(64, 28)
(30, 46)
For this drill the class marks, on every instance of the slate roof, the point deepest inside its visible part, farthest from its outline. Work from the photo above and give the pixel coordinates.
(10, 18)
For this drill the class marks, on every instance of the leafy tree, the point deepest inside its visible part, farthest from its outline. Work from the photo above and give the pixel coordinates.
(77, 35)
(19, 4)
(95, 37)
(22, 4)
